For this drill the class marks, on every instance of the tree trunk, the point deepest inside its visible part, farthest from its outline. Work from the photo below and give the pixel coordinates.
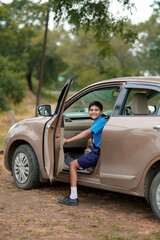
(29, 77)
(42, 63)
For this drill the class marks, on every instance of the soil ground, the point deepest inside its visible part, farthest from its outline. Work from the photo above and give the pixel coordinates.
(36, 215)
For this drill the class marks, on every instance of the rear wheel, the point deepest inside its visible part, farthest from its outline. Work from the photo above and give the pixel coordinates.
(155, 195)
(25, 168)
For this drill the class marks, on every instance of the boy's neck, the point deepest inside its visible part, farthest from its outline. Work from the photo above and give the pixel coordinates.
(96, 118)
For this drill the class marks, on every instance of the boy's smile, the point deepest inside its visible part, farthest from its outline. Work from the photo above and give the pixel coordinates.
(95, 112)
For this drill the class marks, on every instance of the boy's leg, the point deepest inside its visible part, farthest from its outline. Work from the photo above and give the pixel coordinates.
(72, 199)
(73, 178)
(73, 172)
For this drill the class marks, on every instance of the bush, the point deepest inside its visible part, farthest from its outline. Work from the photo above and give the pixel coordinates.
(3, 101)
(12, 85)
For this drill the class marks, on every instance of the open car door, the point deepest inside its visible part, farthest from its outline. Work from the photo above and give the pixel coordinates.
(52, 133)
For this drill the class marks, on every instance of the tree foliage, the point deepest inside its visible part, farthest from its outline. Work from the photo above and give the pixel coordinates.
(12, 85)
(19, 23)
(22, 29)
(81, 55)
(148, 47)
(94, 16)
(100, 47)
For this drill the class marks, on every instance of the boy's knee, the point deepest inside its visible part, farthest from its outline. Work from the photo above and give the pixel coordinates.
(70, 164)
(73, 164)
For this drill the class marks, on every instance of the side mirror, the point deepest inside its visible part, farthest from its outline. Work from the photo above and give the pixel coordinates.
(44, 110)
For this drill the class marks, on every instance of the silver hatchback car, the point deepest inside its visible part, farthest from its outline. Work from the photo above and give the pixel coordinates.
(130, 152)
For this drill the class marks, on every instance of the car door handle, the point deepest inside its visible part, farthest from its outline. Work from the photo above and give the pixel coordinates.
(157, 127)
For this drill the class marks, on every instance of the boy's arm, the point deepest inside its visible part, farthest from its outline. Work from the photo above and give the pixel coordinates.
(81, 135)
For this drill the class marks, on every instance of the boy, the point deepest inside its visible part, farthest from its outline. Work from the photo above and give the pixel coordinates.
(89, 159)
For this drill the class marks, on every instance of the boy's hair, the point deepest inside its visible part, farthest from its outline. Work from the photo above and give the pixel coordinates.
(97, 104)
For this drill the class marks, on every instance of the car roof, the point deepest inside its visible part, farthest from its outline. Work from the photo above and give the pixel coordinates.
(149, 79)
(138, 79)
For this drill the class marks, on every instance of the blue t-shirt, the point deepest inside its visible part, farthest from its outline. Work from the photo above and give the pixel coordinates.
(97, 128)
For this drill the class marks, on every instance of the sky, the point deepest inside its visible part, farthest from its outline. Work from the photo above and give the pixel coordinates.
(142, 12)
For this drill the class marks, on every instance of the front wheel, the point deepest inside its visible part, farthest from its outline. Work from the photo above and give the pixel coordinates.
(155, 195)
(25, 168)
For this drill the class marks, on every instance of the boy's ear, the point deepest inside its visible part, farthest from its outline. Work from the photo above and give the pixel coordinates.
(101, 112)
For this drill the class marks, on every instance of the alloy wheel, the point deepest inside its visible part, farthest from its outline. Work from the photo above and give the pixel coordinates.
(21, 168)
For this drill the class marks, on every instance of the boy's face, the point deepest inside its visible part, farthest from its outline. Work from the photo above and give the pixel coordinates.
(95, 112)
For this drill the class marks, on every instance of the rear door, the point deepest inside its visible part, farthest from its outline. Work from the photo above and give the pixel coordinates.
(52, 133)
(130, 142)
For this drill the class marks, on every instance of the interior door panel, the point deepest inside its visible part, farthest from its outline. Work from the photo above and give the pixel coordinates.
(52, 134)
(72, 127)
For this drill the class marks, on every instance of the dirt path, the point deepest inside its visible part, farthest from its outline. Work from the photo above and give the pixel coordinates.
(35, 214)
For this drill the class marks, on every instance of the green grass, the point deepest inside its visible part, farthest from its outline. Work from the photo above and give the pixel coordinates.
(156, 235)
(117, 228)
(1, 169)
(49, 233)
(108, 236)
(71, 227)
(4, 131)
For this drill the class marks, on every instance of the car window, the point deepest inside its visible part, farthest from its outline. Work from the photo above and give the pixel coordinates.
(144, 107)
(153, 101)
(106, 96)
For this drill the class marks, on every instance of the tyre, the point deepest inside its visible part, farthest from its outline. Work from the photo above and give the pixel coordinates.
(155, 195)
(25, 168)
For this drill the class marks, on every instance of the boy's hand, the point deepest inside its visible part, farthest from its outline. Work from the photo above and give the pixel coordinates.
(81, 135)
(65, 141)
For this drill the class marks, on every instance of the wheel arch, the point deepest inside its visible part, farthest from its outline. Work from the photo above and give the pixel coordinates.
(152, 172)
(12, 149)
(25, 167)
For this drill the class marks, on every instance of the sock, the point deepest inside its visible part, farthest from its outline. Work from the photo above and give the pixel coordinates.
(73, 193)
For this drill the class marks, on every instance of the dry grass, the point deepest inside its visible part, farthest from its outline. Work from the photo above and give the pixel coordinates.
(24, 110)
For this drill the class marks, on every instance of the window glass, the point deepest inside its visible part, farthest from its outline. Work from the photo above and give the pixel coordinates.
(153, 98)
(153, 102)
(106, 96)
(158, 112)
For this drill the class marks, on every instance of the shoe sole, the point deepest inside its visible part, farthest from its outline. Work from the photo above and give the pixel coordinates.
(69, 204)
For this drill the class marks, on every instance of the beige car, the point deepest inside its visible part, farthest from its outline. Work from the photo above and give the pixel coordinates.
(130, 153)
